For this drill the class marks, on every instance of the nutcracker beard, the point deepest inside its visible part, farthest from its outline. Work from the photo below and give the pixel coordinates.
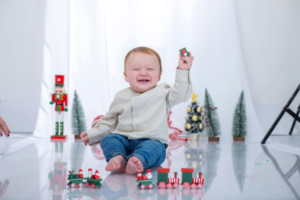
(59, 119)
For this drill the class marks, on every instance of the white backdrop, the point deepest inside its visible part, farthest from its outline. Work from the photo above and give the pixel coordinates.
(88, 40)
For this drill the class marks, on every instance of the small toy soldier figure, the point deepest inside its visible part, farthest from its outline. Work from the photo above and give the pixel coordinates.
(149, 175)
(139, 175)
(96, 175)
(80, 175)
(90, 173)
(60, 98)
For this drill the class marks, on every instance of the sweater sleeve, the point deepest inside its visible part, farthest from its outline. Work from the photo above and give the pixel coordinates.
(181, 90)
(105, 126)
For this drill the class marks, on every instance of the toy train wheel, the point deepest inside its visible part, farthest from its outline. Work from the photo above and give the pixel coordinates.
(142, 187)
(199, 185)
(80, 184)
(193, 186)
(72, 185)
(93, 186)
(175, 185)
(186, 185)
(87, 184)
(150, 186)
(169, 185)
(161, 185)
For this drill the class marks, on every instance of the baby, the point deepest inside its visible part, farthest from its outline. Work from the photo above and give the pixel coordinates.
(134, 132)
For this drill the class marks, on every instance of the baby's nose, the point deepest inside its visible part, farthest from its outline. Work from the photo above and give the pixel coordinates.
(143, 73)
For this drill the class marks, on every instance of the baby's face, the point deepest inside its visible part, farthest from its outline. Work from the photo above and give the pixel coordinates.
(142, 71)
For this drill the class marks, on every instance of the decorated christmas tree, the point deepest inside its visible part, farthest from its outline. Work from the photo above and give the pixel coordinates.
(194, 117)
(239, 122)
(78, 118)
(211, 118)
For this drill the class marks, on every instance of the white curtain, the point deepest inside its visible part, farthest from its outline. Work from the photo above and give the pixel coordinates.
(87, 42)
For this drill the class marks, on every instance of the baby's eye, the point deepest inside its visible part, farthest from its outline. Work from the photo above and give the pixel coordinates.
(136, 69)
(150, 69)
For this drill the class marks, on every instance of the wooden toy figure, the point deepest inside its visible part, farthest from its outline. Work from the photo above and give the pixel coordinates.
(60, 98)
(80, 175)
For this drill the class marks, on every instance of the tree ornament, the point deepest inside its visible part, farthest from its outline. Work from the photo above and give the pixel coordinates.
(188, 126)
(194, 164)
(199, 109)
(194, 97)
(195, 118)
(188, 109)
(201, 126)
(186, 117)
(187, 155)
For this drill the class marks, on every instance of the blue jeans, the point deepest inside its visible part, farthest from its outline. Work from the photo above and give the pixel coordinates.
(151, 153)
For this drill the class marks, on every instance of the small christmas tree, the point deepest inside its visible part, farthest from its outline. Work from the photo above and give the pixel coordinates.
(78, 118)
(239, 122)
(194, 117)
(211, 118)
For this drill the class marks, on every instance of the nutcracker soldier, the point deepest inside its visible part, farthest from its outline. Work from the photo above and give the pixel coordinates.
(60, 98)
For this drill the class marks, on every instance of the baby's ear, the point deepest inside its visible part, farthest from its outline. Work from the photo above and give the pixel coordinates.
(125, 76)
(159, 76)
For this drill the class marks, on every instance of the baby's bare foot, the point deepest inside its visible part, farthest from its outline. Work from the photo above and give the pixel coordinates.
(133, 165)
(116, 164)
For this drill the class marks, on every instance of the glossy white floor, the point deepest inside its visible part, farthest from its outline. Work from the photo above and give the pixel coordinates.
(38, 169)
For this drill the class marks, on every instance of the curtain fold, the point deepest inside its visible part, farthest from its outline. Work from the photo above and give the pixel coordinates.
(87, 42)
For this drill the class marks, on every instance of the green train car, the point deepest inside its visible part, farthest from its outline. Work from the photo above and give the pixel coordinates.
(74, 180)
(77, 180)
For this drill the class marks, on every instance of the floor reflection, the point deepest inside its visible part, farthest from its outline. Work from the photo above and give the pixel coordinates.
(239, 161)
(58, 174)
(287, 176)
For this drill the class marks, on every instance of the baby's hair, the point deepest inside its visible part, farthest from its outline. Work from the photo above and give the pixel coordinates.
(145, 50)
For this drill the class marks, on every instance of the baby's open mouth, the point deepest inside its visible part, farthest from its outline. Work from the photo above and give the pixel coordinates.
(143, 80)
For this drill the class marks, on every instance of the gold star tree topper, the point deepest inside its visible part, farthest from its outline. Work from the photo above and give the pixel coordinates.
(194, 97)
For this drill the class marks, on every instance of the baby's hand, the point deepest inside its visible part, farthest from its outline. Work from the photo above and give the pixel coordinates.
(84, 138)
(185, 63)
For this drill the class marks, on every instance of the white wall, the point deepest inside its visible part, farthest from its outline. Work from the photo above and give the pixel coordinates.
(269, 34)
(21, 62)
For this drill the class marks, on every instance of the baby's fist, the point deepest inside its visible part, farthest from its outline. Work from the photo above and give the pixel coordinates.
(186, 62)
(84, 137)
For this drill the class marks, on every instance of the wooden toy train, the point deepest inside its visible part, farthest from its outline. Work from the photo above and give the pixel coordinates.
(78, 179)
(165, 182)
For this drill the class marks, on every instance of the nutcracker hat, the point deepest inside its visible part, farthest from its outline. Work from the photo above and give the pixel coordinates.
(139, 172)
(148, 170)
(90, 169)
(80, 170)
(96, 172)
(59, 80)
